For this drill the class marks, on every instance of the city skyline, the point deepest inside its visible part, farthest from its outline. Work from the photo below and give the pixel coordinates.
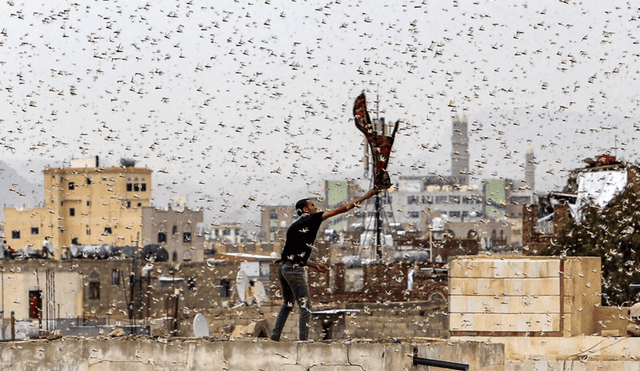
(242, 104)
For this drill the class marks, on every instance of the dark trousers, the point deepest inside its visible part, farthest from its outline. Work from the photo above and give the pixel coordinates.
(294, 289)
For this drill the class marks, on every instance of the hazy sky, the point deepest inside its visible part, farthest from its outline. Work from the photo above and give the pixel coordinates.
(240, 102)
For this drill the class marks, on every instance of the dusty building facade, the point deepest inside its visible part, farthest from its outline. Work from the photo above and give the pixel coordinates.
(104, 289)
(83, 204)
(274, 221)
(41, 294)
(176, 231)
(225, 233)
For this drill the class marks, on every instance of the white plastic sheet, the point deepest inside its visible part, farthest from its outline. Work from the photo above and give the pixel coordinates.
(597, 188)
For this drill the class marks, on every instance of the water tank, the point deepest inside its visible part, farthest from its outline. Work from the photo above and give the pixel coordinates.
(127, 162)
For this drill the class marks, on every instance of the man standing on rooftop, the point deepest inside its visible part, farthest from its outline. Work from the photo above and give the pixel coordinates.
(295, 256)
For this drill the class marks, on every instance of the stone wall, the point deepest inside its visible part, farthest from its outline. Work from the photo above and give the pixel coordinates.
(193, 355)
(481, 354)
(513, 296)
(579, 353)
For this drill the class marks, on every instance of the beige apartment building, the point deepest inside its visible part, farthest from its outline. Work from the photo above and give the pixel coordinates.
(83, 204)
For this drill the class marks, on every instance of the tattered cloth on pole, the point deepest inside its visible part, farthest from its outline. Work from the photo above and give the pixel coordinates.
(380, 144)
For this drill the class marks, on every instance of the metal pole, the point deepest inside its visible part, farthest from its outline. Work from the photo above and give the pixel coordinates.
(431, 243)
(441, 364)
(2, 267)
(378, 228)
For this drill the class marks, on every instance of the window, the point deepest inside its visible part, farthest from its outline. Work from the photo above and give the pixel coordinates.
(88, 230)
(186, 234)
(273, 215)
(454, 214)
(187, 256)
(15, 235)
(427, 200)
(88, 203)
(115, 277)
(72, 211)
(413, 214)
(127, 204)
(72, 186)
(162, 237)
(88, 181)
(143, 187)
(35, 230)
(174, 230)
(226, 232)
(454, 199)
(225, 288)
(441, 199)
(107, 231)
(136, 187)
(94, 286)
(129, 187)
(174, 256)
(74, 241)
(412, 200)
(191, 283)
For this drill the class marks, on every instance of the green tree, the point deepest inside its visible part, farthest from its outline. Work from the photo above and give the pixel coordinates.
(613, 234)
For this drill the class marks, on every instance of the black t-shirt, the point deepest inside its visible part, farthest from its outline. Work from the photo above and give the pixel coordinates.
(300, 238)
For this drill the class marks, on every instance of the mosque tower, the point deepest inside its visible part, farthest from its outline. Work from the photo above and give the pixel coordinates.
(530, 169)
(460, 151)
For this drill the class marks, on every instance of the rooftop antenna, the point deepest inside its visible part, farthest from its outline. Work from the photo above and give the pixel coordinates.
(378, 203)
(378, 103)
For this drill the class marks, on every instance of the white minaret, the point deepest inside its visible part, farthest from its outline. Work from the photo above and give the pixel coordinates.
(460, 150)
(530, 169)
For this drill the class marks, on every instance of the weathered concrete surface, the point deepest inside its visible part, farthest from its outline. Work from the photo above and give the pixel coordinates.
(578, 353)
(191, 355)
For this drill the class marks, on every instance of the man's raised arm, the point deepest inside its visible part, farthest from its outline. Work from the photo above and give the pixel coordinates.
(349, 205)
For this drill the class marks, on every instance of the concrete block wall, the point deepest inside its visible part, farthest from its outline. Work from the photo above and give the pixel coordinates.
(504, 295)
(582, 289)
(578, 353)
(480, 353)
(194, 355)
(523, 296)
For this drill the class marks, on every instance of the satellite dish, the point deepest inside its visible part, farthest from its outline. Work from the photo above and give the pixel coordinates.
(259, 293)
(242, 281)
(200, 326)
